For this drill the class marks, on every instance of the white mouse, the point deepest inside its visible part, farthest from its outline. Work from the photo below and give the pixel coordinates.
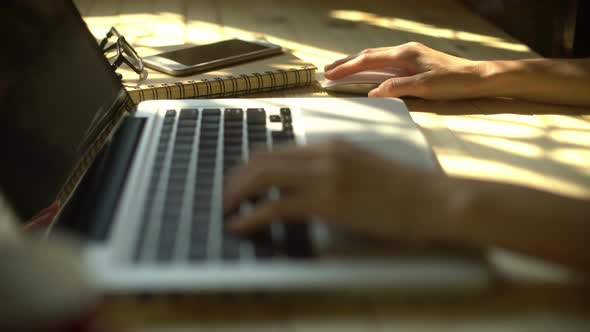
(360, 83)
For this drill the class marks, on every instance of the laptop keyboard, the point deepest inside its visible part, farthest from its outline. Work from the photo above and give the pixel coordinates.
(182, 219)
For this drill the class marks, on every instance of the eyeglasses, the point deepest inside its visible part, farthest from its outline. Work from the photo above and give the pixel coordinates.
(125, 53)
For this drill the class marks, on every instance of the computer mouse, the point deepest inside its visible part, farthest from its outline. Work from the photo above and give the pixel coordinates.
(360, 83)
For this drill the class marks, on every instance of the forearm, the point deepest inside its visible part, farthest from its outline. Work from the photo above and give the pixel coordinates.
(517, 218)
(541, 80)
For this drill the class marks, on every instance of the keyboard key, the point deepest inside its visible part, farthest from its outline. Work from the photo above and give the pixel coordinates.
(188, 124)
(285, 111)
(209, 135)
(262, 242)
(280, 137)
(257, 138)
(208, 112)
(178, 158)
(189, 114)
(232, 150)
(183, 148)
(275, 118)
(235, 114)
(202, 205)
(201, 215)
(187, 132)
(297, 242)
(230, 247)
(206, 162)
(167, 127)
(233, 124)
(164, 254)
(231, 161)
(256, 115)
(237, 135)
(197, 250)
(170, 113)
(210, 119)
(183, 140)
(208, 142)
(256, 128)
(210, 126)
(208, 172)
(233, 141)
(199, 235)
(287, 126)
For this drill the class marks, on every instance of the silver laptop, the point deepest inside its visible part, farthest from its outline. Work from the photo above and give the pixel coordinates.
(150, 206)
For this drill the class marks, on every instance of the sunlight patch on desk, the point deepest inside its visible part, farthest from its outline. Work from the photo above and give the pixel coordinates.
(487, 126)
(572, 157)
(100, 25)
(495, 171)
(565, 122)
(165, 29)
(200, 32)
(573, 137)
(394, 23)
(140, 29)
(520, 119)
(427, 120)
(522, 149)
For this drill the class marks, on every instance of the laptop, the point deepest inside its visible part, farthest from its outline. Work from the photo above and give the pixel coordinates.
(143, 185)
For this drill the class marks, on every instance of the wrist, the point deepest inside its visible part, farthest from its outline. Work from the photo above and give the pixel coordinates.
(447, 208)
(457, 203)
(499, 78)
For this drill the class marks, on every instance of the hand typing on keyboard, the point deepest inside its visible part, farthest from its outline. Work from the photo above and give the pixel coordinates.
(348, 187)
(336, 182)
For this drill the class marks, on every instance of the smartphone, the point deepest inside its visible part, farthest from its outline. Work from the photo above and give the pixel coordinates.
(206, 57)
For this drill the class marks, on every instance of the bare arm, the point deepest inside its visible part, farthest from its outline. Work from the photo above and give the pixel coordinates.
(533, 222)
(431, 74)
(542, 80)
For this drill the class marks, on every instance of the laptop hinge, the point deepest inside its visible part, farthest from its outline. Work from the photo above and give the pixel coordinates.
(122, 106)
(91, 208)
(101, 135)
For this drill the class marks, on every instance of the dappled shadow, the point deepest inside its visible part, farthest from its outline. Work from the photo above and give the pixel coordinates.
(319, 30)
(490, 106)
(539, 153)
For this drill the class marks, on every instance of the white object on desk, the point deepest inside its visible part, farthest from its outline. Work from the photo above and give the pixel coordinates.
(362, 82)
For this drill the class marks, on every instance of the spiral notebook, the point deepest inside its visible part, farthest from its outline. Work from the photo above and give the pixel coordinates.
(268, 74)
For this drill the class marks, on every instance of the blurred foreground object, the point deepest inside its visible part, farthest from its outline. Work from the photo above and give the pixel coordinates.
(42, 285)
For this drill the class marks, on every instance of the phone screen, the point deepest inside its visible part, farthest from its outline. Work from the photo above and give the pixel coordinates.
(211, 52)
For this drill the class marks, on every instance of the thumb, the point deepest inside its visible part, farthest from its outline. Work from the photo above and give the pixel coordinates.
(399, 87)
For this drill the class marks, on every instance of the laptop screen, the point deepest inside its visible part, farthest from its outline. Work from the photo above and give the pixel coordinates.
(55, 85)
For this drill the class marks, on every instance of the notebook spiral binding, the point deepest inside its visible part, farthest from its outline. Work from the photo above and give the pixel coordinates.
(227, 86)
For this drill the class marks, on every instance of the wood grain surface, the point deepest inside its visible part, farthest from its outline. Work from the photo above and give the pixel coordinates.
(537, 145)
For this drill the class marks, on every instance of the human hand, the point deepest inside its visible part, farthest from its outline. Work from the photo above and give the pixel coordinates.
(339, 183)
(425, 73)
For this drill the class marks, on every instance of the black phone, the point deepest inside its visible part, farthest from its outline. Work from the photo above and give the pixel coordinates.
(203, 58)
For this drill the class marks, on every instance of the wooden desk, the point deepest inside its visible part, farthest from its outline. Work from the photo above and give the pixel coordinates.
(542, 146)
